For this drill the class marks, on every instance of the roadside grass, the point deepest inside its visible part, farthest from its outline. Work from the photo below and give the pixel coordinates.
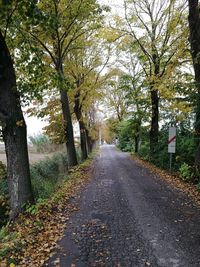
(30, 240)
(174, 179)
(47, 174)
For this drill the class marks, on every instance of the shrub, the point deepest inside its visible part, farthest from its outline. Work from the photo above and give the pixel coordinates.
(198, 186)
(125, 133)
(47, 174)
(186, 172)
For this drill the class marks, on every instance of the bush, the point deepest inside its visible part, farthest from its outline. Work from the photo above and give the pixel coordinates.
(125, 133)
(198, 186)
(45, 177)
(186, 172)
(47, 174)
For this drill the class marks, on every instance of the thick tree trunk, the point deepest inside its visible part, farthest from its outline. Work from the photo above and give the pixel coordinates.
(69, 133)
(71, 151)
(154, 121)
(194, 25)
(83, 140)
(14, 135)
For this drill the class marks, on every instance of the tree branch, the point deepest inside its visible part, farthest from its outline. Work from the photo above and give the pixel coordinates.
(45, 47)
(9, 19)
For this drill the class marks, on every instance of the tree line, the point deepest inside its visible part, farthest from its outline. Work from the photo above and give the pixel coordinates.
(156, 51)
(64, 57)
(46, 53)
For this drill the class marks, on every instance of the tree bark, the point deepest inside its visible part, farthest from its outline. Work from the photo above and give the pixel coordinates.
(71, 151)
(84, 152)
(90, 142)
(83, 139)
(14, 135)
(136, 144)
(154, 121)
(137, 136)
(194, 26)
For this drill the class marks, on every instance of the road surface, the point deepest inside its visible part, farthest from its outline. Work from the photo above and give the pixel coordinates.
(130, 217)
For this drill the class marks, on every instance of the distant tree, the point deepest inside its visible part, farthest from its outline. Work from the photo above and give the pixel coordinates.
(84, 70)
(116, 98)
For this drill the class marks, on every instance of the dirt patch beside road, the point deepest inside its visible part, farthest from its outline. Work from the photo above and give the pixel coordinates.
(33, 157)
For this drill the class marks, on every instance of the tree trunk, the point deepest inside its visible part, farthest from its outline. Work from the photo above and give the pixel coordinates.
(137, 135)
(14, 135)
(194, 25)
(154, 121)
(136, 144)
(89, 141)
(77, 111)
(71, 151)
(83, 140)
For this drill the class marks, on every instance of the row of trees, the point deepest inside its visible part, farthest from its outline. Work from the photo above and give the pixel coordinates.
(51, 52)
(48, 50)
(156, 82)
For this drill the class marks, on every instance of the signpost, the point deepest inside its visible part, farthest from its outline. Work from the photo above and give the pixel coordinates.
(171, 144)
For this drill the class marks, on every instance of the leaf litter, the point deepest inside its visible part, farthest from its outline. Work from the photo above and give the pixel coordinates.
(174, 180)
(36, 235)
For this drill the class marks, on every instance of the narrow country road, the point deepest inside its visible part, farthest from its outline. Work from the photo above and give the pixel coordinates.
(130, 217)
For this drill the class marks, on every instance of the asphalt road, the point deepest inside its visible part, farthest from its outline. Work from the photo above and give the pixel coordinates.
(130, 217)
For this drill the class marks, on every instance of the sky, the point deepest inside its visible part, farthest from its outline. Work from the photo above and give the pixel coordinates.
(34, 125)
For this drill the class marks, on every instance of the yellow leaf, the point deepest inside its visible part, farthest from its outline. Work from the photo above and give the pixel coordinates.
(12, 265)
(19, 123)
